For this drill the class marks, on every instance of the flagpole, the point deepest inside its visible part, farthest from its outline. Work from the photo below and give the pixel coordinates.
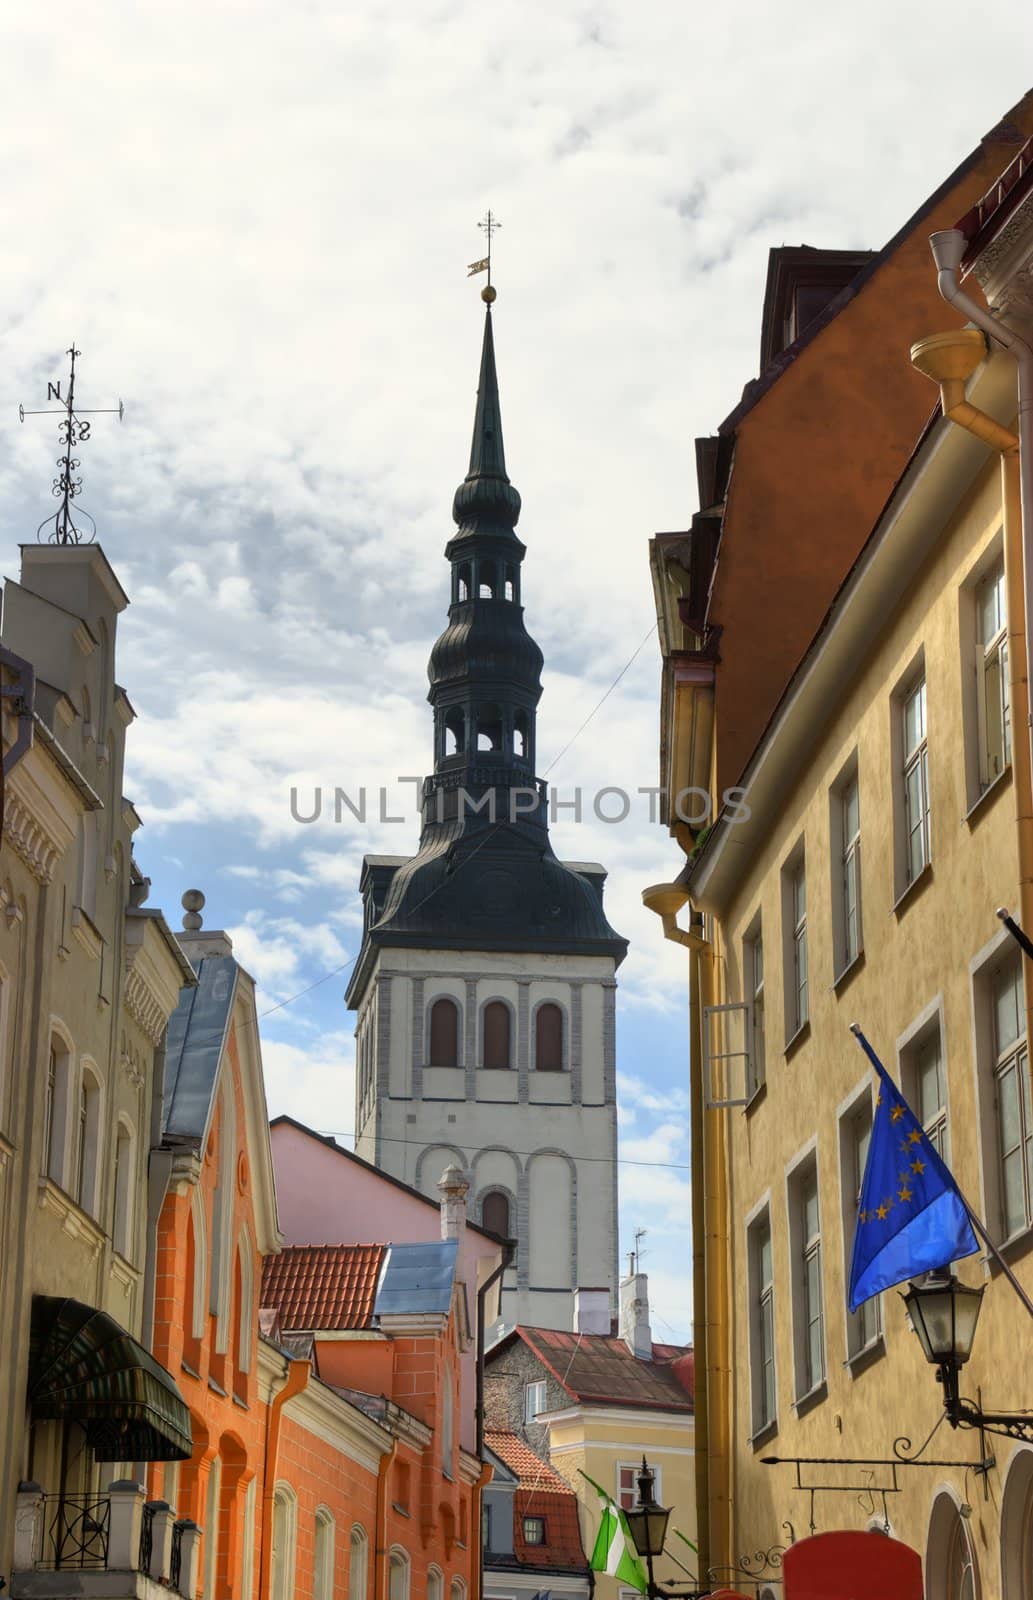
(1021, 938)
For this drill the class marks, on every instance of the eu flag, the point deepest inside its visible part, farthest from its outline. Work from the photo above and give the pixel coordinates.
(910, 1216)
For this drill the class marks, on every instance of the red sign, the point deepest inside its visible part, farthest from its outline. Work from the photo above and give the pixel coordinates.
(852, 1566)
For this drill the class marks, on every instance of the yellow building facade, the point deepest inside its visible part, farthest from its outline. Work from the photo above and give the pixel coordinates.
(856, 880)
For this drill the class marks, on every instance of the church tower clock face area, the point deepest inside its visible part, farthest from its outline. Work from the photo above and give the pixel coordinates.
(485, 988)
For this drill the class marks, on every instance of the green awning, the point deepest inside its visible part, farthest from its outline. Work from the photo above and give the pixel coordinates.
(83, 1366)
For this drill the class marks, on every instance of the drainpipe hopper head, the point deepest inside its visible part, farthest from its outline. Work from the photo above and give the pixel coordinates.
(949, 357)
(948, 247)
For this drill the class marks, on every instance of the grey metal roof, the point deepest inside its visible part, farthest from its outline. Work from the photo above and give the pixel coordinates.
(194, 1046)
(417, 1278)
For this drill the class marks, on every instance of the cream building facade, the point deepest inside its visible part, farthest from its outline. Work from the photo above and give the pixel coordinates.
(859, 882)
(88, 978)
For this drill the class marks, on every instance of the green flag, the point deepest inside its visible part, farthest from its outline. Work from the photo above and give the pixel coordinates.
(614, 1550)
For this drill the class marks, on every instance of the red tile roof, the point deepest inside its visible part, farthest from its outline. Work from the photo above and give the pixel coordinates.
(531, 1471)
(594, 1368)
(326, 1286)
(987, 217)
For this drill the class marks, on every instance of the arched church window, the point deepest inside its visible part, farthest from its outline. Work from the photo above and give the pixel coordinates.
(520, 735)
(548, 1038)
(511, 583)
(444, 1033)
(463, 582)
(496, 1035)
(487, 581)
(495, 1213)
(489, 727)
(455, 732)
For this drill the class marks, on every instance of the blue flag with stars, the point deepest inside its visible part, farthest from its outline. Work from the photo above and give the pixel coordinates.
(910, 1215)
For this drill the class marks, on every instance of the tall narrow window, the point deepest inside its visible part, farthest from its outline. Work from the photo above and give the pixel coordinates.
(122, 1221)
(358, 1546)
(285, 1511)
(86, 1172)
(51, 1154)
(762, 1322)
(495, 1213)
(398, 1575)
(850, 867)
(444, 1033)
(929, 1095)
(1011, 1077)
(863, 1325)
(534, 1400)
(994, 707)
(916, 781)
(323, 1585)
(753, 969)
(496, 1034)
(813, 1304)
(548, 1038)
(794, 902)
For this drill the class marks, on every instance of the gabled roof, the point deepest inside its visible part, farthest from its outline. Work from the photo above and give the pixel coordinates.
(197, 1033)
(367, 1166)
(540, 1492)
(324, 1287)
(598, 1370)
(530, 1471)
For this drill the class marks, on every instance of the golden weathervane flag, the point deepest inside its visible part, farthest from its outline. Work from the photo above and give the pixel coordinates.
(478, 266)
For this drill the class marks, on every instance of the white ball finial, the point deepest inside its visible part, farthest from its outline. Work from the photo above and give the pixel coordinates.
(192, 903)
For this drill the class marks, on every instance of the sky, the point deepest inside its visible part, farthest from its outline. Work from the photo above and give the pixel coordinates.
(255, 222)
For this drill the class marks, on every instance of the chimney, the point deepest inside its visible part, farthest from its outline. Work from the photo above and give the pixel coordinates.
(453, 1189)
(634, 1316)
(592, 1311)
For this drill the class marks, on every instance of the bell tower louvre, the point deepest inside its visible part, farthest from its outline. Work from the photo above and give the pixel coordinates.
(485, 987)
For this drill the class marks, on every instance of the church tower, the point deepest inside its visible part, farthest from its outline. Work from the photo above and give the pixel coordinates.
(485, 988)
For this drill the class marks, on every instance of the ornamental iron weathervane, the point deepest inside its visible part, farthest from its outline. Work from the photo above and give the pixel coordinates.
(73, 431)
(489, 225)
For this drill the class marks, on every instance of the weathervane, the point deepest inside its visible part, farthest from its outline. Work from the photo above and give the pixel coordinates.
(488, 226)
(72, 431)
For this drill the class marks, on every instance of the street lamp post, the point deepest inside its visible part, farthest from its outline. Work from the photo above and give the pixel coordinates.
(647, 1522)
(944, 1313)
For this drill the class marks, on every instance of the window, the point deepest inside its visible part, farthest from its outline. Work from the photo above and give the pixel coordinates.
(211, 1532)
(285, 1511)
(447, 1423)
(87, 1140)
(56, 1108)
(122, 1221)
(496, 1034)
(548, 1038)
(855, 1132)
(949, 1558)
(994, 707)
(323, 1575)
(495, 1213)
(398, 1575)
(762, 1321)
(1012, 1095)
(923, 1067)
(627, 1484)
(794, 914)
(358, 1546)
(808, 1299)
(486, 1511)
(435, 1584)
(534, 1530)
(247, 1567)
(917, 841)
(845, 831)
(753, 982)
(444, 1033)
(534, 1400)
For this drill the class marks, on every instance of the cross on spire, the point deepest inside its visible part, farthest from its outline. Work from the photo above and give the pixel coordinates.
(488, 225)
(67, 485)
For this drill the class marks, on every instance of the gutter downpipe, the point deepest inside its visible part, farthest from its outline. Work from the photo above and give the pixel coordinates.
(295, 1381)
(508, 1252)
(709, 1252)
(945, 358)
(381, 1549)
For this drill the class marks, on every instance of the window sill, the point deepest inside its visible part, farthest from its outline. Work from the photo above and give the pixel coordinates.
(757, 1098)
(866, 1357)
(764, 1433)
(984, 800)
(216, 1388)
(1012, 1249)
(238, 1401)
(843, 979)
(795, 1040)
(402, 1512)
(903, 900)
(191, 1370)
(812, 1398)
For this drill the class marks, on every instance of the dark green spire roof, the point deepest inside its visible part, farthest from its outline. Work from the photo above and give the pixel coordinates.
(486, 501)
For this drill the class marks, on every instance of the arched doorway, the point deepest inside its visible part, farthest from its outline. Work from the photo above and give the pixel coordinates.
(1017, 1529)
(951, 1572)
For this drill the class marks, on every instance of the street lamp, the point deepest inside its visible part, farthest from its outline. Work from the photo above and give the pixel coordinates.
(647, 1522)
(944, 1314)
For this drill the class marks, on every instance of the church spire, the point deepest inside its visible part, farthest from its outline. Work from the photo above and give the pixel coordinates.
(486, 501)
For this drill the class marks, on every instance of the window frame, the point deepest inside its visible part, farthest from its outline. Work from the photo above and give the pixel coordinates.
(763, 1343)
(914, 760)
(536, 1543)
(529, 1415)
(863, 1327)
(635, 1468)
(496, 1000)
(806, 1252)
(540, 1007)
(753, 994)
(846, 862)
(445, 999)
(324, 1561)
(795, 953)
(987, 650)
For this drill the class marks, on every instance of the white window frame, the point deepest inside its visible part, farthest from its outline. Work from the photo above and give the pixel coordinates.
(722, 1058)
(915, 763)
(925, 1034)
(983, 966)
(531, 1415)
(358, 1562)
(1011, 1060)
(992, 655)
(795, 955)
(753, 989)
(845, 856)
(324, 1553)
(805, 1252)
(863, 1326)
(635, 1467)
(761, 1299)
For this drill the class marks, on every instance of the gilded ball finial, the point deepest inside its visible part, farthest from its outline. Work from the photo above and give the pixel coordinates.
(488, 295)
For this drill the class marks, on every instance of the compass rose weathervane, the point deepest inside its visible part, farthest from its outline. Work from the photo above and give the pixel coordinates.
(72, 431)
(490, 225)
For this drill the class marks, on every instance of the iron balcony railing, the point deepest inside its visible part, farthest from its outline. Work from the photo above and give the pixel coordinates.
(75, 1531)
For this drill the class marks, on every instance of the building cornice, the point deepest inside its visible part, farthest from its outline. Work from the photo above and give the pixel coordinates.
(153, 975)
(322, 1411)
